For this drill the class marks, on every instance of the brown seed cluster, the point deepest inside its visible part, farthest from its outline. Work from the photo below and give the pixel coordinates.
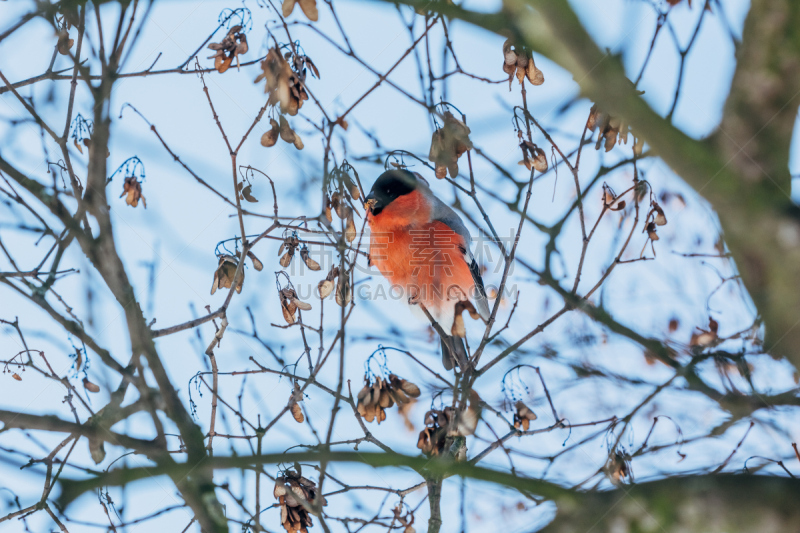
(655, 218)
(518, 60)
(231, 47)
(291, 491)
(447, 422)
(618, 467)
(340, 203)
(309, 8)
(533, 156)
(290, 303)
(290, 245)
(448, 144)
(133, 188)
(523, 416)
(612, 130)
(284, 84)
(282, 129)
(373, 400)
(343, 291)
(610, 199)
(223, 275)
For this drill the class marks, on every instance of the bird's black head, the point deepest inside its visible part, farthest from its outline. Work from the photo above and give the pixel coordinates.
(389, 186)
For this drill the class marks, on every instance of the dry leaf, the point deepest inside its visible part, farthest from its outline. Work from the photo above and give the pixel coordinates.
(91, 387)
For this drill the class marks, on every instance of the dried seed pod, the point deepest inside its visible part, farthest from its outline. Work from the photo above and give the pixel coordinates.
(286, 131)
(328, 211)
(651, 231)
(290, 245)
(325, 288)
(467, 422)
(523, 416)
(91, 387)
(64, 42)
(303, 306)
(660, 219)
(297, 413)
(223, 275)
(271, 137)
(288, 310)
(309, 8)
(458, 329)
(16, 376)
(343, 292)
(133, 188)
(247, 194)
(350, 231)
(258, 265)
(539, 160)
(310, 263)
(298, 142)
(535, 76)
(97, 450)
(339, 205)
(509, 56)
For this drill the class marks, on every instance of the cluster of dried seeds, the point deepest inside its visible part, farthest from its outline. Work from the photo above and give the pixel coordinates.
(290, 245)
(285, 85)
(226, 270)
(448, 422)
(133, 188)
(232, 46)
(373, 400)
(523, 416)
(610, 199)
(533, 156)
(612, 130)
(518, 60)
(449, 143)
(618, 467)
(290, 303)
(340, 204)
(655, 218)
(291, 491)
(281, 128)
(343, 290)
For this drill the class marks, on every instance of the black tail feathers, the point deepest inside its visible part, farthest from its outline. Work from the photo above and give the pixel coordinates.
(454, 352)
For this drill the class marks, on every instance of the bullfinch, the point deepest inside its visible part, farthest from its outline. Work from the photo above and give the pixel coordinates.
(422, 247)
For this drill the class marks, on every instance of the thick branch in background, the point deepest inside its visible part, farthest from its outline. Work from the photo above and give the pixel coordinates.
(761, 224)
(731, 503)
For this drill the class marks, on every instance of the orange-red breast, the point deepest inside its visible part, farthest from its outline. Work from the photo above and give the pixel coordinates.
(423, 248)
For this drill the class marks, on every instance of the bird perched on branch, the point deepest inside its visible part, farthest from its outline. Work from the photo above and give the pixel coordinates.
(422, 247)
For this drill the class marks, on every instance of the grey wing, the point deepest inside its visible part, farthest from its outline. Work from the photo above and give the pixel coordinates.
(444, 213)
